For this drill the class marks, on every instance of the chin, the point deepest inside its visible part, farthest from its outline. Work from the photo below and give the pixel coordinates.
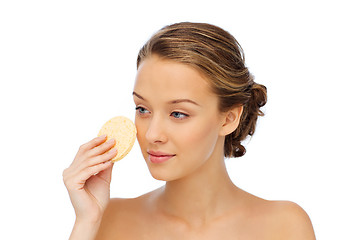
(162, 173)
(159, 178)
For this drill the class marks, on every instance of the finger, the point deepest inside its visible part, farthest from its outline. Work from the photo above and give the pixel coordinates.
(78, 166)
(106, 174)
(88, 172)
(102, 148)
(101, 158)
(92, 143)
(76, 181)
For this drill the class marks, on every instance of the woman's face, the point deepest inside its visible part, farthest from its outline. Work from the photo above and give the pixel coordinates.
(177, 118)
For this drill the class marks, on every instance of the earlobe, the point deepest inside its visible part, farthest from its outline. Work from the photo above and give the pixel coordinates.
(231, 120)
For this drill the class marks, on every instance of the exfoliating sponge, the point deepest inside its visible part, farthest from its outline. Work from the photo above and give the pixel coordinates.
(123, 131)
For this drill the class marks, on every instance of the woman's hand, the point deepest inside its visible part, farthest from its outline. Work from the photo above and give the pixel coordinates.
(88, 179)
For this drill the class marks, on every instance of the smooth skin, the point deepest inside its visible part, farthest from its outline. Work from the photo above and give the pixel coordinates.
(177, 114)
(88, 181)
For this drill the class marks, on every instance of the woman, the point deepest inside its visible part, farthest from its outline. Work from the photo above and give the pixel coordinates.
(195, 102)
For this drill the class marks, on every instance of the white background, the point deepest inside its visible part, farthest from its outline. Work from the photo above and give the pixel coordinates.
(66, 67)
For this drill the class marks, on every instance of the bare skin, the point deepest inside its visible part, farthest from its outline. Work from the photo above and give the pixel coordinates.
(253, 218)
(199, 201)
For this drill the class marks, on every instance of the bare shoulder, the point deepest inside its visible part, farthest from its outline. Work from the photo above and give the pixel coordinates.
(290, 220)
(111, 218)
(122, 216)
(276, 219)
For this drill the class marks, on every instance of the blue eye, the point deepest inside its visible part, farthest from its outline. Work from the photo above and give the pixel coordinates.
(141, 110)
(179, 115)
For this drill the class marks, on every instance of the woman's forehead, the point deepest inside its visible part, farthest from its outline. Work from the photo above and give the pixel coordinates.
(166, 77)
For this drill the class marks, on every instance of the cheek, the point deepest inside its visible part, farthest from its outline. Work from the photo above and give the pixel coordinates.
(199, 138)
(141, 132)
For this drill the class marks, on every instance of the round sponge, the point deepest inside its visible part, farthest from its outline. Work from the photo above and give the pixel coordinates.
(123, 131)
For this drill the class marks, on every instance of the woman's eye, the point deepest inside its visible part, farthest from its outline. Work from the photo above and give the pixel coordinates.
(179, 115)
(141, 110)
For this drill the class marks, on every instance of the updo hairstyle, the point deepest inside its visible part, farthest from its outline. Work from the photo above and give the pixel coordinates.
(217, 54)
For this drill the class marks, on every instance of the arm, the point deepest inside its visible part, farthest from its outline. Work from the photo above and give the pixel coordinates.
(84, 230)
(87, 180)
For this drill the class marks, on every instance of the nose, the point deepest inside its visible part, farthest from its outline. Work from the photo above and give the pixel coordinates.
(155, 132)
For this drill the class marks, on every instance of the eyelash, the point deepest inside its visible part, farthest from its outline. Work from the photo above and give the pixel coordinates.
(140, 109)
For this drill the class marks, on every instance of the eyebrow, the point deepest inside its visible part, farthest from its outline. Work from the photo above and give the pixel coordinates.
(175, 101)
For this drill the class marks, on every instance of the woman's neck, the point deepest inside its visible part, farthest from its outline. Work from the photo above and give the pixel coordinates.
(200, 197)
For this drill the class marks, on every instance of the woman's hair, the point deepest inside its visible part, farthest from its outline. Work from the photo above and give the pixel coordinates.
(217, 54)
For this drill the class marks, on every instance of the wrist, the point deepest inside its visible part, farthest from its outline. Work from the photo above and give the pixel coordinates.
(88, 221)
(89, 218)
(85, 229)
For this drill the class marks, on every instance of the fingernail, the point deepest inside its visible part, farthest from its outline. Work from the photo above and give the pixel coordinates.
(102, 136)
(113, 150)
(112, 140)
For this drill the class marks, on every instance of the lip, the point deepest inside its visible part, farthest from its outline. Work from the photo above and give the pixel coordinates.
(159, 157)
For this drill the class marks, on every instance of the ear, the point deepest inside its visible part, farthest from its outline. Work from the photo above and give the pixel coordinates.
(231, 120)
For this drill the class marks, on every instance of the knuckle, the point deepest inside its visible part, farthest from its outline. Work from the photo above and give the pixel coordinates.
(65, 173)
(94, 161)
(82, 147)
(65, 177)
(89, 154)
(90, 162)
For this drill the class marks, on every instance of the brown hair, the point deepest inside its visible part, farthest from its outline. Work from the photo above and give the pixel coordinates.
(218, 55)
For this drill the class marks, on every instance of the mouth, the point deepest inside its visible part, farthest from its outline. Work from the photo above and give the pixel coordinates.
(159, 157)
